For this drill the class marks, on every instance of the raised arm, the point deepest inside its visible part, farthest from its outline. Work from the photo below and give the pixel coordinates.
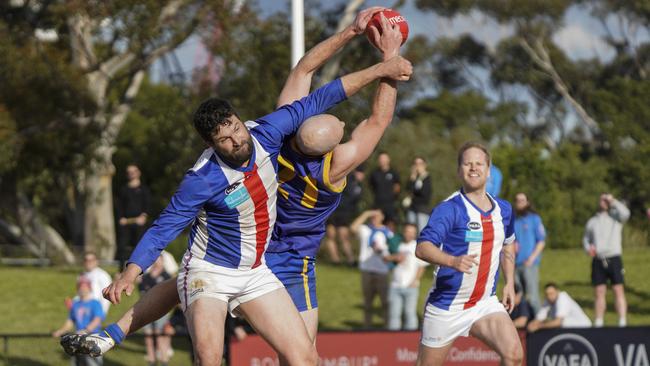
(367, 134)
(396, 68)
(299, 81)
(356, 224)
(618, 210)
(272, 129)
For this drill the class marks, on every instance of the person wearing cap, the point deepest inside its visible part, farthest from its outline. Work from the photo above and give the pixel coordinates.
(86, 316)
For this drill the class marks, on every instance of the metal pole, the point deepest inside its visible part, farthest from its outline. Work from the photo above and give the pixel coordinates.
(297, 31)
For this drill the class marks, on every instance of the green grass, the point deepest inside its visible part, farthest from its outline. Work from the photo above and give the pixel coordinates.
(32, 302)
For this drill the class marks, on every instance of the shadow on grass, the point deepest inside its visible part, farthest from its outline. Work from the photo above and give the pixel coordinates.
(638, 293)
(20, 361)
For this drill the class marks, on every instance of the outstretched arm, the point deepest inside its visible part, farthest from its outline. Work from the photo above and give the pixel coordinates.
(299, 81)
(367, 134)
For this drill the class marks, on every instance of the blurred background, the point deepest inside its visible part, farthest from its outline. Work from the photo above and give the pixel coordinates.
(557, 89)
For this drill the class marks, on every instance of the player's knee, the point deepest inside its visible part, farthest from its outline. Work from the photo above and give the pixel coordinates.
(303, 356)
(207, 354)
(514, 355)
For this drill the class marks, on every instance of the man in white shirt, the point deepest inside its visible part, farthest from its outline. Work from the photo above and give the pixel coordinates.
(99, 279)
(405, 285)
(559, 311)
(373, 247)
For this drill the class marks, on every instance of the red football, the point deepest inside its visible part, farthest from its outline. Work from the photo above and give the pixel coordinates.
(393, 18)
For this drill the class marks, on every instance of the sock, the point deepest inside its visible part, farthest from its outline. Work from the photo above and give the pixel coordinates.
(115, 333)
(622, 322)
(598, 322)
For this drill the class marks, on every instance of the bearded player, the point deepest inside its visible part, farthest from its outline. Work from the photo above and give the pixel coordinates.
(318, 178)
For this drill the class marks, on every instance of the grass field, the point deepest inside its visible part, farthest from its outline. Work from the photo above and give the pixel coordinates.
(32, 302)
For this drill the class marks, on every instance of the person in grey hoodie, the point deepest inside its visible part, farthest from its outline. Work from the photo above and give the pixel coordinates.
(602, 241)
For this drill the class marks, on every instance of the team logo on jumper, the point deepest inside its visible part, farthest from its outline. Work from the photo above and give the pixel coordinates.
(568, 349)
(236, 194)
(473, 225)
(473, 236)
(231, 188)
(196, 286)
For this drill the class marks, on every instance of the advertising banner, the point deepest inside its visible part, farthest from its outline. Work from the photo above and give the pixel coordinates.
(589, 347)
(365, 349)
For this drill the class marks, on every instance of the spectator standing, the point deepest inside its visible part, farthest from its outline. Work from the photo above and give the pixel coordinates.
(405, 284)
(602, 241)
(385, 184)
(156, 340)
(373, 247)
(559, 311)
(495, 179)
(99, 279)
(531, 236)
(338, 224)
(86, 315)
(522, 313)
(419, 194)
(133, 208)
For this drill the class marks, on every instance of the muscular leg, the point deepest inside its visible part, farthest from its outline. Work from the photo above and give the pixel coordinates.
(310, 317)
(205, 319)
(599, 304)
(153, 305)
(428, 356)
(275, 318)
(498, 332)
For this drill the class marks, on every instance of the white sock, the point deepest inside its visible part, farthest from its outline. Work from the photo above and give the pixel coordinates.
(622, 322)
(598, 323)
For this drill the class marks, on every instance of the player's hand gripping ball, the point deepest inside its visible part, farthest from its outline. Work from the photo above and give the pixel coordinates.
(393, 17)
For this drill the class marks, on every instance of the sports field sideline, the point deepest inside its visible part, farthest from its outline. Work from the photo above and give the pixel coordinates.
(32, 302)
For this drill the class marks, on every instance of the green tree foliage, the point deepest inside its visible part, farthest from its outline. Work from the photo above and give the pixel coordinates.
(159, 137)
(562, 165)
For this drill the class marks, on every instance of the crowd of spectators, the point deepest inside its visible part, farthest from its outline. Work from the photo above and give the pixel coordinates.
(387, 237)
(390, 270)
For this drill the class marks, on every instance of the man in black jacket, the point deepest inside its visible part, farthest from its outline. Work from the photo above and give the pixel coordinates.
(419, 194)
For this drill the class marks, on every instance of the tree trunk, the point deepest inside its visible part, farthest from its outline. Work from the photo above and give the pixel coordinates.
(40, 237)
(99, 226)
(332, 68)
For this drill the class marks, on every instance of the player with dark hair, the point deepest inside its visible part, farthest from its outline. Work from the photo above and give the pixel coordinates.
(308, 143)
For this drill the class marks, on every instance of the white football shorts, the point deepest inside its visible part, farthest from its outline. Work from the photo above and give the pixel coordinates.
(198, 278)
(441, 327)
